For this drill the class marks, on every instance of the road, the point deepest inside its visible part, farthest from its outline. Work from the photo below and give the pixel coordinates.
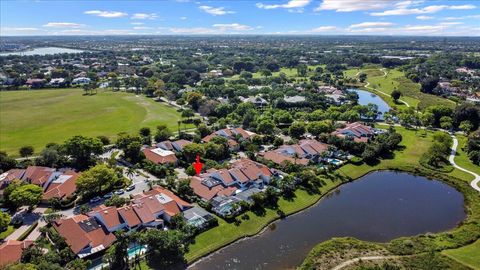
(475, 183)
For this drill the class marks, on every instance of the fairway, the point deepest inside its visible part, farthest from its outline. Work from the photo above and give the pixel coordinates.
(42, 116)
(468, 255)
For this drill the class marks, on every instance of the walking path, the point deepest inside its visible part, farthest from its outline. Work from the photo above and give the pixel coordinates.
(368, 258)
(475, 183)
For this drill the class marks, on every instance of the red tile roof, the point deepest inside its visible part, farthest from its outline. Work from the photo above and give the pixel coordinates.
(143, 213)
(109, 215)
(128, 214)
(38, 175)
(62, 189)
(158, 159)
(203, 191)
(11, 251)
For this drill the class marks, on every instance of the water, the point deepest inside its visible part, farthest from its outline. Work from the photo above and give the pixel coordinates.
(42, 51)
(365, 97)
(379, 207)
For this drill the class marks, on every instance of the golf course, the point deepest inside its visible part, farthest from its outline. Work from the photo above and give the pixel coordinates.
(38, 117)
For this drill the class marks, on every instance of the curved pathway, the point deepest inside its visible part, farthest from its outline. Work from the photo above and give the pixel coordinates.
(475, 183)
(381, 92)
(367, 258)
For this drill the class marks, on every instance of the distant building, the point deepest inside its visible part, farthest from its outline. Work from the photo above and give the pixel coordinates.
(160, 156)
(11, 251)
(358, 132)
(302, 153)
(256, 100)
(81, 81)
(294, 99)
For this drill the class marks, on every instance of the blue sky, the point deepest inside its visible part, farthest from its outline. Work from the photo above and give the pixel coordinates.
(320, 17)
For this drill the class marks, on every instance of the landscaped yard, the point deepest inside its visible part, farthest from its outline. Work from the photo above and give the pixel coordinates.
(42, 116)
(7, 232)
(467, 255)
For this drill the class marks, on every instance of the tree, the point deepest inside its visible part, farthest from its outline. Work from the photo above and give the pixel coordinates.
(6, 162)
(473, 147)
(83, 150)
(26, 151)
(145, 132)
(97, 180)
(78, 264)
(183, 188)
(26, 195)
(396, 95)
(266, 72)
(164, 247)
(117, 255)
(466, 126)
(190, 151)
(287, 185)
(446, 122)
(362, 77)
(4, 221)
(428, 84)
(297, 130)
(162, 133)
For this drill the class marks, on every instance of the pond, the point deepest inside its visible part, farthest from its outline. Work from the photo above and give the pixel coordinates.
(365, 97)
(378, 207)
(42, 51)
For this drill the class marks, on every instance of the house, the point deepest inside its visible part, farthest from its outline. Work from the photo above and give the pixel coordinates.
(357, 131)
(55, 183)
(57, 82)
(160, 156)
(242, 175)
(294, 99)
(62, 186)
(11, 251)
(35, 83)
(84, 235)
(256, 100)
(109, 217)
(130, 217)
(173, 146)
(81, 81)
(232, 135)
(301, 153)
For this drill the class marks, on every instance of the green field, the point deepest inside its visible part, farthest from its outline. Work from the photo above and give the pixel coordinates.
(42, 116)
(291, 73)
(395, 79)
(467, 255)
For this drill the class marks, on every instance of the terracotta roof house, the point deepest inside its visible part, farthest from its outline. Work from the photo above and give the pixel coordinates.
(160, 156)
(7, 177)
(109, 217)
(162, 202)
(38, 175)
(300, 153)
(357, 131)
(11, 251)
(227, 182)
(84, 235)
(231, 134)
(62, 186)
(129, 216)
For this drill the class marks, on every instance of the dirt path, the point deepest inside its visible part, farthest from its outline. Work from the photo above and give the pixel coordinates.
(367, 258)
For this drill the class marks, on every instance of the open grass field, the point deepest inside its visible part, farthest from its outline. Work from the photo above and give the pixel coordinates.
(42, 116)
(291, 73)
(395, 79)
(467, 255)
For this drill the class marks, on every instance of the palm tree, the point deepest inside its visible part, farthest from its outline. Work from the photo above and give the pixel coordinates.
(130, 172)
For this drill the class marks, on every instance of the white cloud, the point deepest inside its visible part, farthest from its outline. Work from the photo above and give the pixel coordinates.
(215, 10)
(106, 14)
(371, 24)
(20, 29)
(322, 29)
(183, 18)
(64, 25)
(292, 5)
(76, 32)
(144, 16)
(137, 23)
(142, 28)
(352, 5)
(424, 10)
(462, 17)
(424, 18)
(450, 23)
(231, 28)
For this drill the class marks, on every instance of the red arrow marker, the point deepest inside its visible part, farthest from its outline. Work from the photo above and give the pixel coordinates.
(197, 165)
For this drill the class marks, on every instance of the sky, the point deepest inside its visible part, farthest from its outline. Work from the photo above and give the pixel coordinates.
(273, 17)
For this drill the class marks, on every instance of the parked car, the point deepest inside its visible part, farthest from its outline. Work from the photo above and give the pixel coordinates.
(130, 188)
(108, 195)
(95, 199)
(119, 192)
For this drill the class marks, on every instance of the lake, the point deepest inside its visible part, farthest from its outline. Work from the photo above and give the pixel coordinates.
(365, 97)
(42, 51)
(378, 207)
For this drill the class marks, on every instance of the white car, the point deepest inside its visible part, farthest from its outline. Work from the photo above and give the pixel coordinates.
(119, 192)
(95, 199)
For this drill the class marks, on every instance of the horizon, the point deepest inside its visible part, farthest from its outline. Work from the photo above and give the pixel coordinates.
(215, 18)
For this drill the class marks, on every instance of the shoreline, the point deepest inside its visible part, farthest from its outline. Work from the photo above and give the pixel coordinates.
(322, 196)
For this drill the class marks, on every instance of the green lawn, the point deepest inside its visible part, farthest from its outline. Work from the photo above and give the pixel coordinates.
(291, 73)
(7, 232)
(462, 160)
(467, 255)
(42, 116)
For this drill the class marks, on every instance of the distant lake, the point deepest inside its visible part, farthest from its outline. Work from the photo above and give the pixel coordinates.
(42, 51)
(365, 97)
(379, 207)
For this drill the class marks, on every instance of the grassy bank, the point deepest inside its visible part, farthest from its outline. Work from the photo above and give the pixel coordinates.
(39, 117)
(467, 255)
